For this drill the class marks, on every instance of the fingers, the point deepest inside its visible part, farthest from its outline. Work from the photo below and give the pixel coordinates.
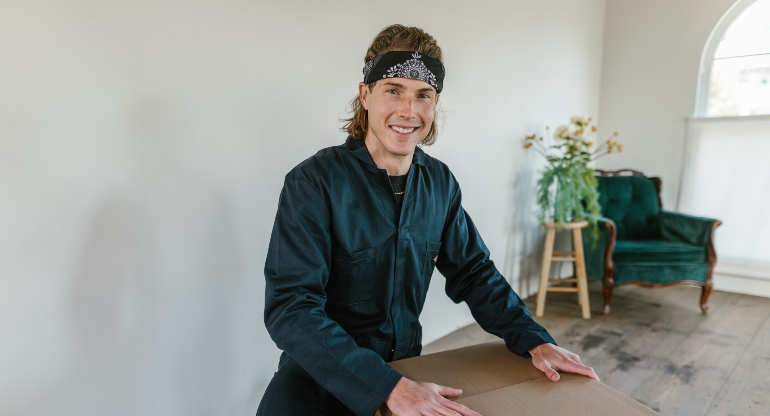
(593, 374)
(546, 367)
(443, 411)
(436, 410)
(450, 406)
(448, 391)
(585, 371)
(457, 408)
(552, 374)
(550, 359)
(574, 365)
(413, 398)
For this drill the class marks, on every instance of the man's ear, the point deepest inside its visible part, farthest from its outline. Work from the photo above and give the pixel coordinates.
(437, 97)
(363, 95)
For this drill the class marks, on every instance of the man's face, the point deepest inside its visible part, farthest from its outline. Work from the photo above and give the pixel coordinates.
(401, 111)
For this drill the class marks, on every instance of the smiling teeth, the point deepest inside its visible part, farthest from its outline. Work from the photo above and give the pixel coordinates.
(404, 131)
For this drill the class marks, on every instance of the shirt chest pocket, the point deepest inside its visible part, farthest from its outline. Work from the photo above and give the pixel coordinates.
(350, 277)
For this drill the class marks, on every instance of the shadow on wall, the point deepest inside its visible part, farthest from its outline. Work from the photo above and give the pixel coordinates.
(523, 236)
(151, 295)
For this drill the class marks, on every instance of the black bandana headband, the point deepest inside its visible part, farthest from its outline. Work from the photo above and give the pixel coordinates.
(405, 64)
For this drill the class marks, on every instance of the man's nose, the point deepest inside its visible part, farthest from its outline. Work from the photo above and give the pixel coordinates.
(406, 107)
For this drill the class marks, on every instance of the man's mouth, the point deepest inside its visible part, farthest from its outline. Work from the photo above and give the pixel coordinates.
(403, 130)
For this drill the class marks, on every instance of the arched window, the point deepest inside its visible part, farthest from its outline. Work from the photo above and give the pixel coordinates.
(726, 174)
(735, 78)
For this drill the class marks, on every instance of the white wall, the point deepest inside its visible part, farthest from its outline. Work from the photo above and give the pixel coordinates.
(142, 150)
(652, 52)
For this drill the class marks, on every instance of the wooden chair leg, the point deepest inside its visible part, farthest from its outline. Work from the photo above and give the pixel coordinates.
(705, 296)
(712, 260)
(545, 270)
(609, 283)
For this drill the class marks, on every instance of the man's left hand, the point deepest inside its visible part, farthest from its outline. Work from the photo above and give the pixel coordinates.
(551, 359)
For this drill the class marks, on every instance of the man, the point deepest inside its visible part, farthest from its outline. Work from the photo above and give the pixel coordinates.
(359, 230)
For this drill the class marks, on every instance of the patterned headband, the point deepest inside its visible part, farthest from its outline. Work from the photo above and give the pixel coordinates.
(404, 64)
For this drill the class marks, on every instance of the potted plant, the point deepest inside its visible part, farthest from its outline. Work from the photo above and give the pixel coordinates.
(567, 190)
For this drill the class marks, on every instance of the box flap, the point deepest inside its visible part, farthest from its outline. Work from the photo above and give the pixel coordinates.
(475, 369)
(572, 395)
(495, 382)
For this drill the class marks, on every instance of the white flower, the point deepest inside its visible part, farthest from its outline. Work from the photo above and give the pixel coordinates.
(580, 121)
(561, 132)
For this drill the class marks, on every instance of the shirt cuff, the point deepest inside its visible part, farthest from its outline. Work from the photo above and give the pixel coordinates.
(380, 394)
(523, 346)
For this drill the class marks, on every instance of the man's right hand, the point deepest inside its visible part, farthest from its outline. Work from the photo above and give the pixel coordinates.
(411, 398)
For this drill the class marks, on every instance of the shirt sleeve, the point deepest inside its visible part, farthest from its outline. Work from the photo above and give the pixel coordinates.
(472, 277)
(296, 272)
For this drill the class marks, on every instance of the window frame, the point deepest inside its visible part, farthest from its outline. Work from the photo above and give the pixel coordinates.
(707, 58)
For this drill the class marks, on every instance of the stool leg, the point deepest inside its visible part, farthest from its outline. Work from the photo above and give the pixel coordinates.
(580, 271)
(545, 270)
(575, 276)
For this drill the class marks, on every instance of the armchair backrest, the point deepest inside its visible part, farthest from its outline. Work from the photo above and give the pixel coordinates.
(632, 202)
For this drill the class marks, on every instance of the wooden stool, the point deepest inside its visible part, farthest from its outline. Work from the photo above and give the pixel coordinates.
(575, 256)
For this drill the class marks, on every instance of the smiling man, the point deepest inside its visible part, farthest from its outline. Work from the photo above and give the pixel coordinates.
(359, 230)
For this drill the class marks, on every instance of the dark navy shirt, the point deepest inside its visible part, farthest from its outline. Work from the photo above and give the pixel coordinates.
(347, 273)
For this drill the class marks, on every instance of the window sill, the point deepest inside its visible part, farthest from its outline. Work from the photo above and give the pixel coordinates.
(730, 119)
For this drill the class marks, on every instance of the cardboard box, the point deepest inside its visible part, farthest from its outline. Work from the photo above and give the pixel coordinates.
(495, 382)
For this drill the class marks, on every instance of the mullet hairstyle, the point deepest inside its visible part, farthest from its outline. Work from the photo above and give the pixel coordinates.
(393, 38)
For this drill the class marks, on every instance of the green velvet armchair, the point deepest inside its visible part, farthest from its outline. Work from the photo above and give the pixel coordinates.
(642, 244)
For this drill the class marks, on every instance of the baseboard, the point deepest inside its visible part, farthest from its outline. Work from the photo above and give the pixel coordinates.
(747, 285)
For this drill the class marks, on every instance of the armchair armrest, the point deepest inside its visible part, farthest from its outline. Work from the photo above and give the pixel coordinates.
(598, 252)
(688, 229)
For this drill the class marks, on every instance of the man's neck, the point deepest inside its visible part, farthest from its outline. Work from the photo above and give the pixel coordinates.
(395, 165)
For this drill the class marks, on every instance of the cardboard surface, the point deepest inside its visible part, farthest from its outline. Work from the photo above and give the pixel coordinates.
(495, 382)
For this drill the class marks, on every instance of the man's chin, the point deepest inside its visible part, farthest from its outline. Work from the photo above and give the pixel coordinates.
(402, 151)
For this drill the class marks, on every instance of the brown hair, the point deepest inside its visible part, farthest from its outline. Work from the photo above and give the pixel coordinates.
(393, 38)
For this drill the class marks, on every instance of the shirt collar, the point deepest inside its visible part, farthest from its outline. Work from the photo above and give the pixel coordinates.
(358, 148)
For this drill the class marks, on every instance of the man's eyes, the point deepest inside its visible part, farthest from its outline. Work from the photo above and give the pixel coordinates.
(423, 95)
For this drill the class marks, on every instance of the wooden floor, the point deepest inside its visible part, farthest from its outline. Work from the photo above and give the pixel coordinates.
(658, 348)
